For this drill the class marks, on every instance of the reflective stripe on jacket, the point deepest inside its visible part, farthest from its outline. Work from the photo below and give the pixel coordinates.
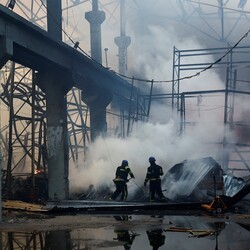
(122, 173)
(154, 172)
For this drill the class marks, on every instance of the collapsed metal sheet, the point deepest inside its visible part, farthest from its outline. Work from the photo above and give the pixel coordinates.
(232, 185)
(193, 180)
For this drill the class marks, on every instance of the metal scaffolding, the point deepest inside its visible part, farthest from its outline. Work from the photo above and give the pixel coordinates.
(234, 69)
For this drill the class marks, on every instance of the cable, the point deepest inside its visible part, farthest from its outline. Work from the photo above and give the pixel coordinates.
(217, 6)
(109, 154)
(76, 45)
(194, 75)
(138, 185)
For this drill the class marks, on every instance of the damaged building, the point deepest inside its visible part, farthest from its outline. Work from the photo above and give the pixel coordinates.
(59, 100)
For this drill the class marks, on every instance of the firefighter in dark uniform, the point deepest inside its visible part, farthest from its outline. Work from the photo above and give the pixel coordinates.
(121, 179)
(154, 173)
(156, 238)
(125, 237)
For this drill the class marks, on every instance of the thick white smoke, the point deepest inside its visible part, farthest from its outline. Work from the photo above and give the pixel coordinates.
(148, 139)
(150, 55)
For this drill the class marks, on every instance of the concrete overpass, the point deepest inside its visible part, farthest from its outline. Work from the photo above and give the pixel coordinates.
(59, 67)
(27, 44)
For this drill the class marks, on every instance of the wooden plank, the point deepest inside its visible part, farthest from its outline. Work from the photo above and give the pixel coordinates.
(20, 205)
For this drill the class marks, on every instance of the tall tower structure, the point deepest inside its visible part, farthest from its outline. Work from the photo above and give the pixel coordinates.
(95, 18)
(122, 41)
(96, 98)
(54, 18)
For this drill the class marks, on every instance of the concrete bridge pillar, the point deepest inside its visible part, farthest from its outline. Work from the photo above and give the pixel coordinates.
(97, 99)
(56, 86)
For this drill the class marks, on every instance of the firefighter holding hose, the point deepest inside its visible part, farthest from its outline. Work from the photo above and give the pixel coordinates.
(121, 179)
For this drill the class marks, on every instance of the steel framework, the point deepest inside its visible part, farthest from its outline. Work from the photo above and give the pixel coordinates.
(26, 133)
(234, 69)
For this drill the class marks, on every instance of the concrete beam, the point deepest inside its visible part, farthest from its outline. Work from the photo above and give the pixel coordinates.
(36, 49)
(6, 51)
